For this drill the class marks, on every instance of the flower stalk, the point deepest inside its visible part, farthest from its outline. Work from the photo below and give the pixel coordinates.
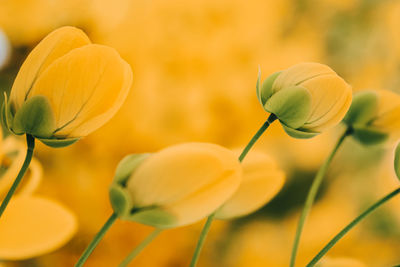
(30, 140)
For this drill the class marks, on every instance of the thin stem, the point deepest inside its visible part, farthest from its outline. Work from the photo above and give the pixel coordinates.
(202, 238)
(140, 247)
(85, 255)
(351, 225)
(258, 134)
(210, 219)
(312, 193)
(30, 140)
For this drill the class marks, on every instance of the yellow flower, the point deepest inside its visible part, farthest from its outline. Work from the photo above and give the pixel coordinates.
(177, 186)
(262, 180)
(340, 262)
(308, 98)
(31, 226)
(375, 116)
(67, 88)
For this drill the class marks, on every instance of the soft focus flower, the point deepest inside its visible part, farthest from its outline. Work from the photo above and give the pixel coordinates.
(67, 88)
(5, 49)
(307, 98)
(32, 225)
(177, 186)
(375, 116)
(340, 262)
(262, 180)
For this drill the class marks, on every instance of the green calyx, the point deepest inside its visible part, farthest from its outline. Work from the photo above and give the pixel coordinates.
(362, 109)
(35, 117)
(359, 117)
(291, 105)
(122, 202)
(266, 90)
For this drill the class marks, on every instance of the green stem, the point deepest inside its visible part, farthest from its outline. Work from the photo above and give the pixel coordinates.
(30, 140)
(202, 238)
(85, 255)
(140, 247)
(210, 219)
(312, 193)
(351, 225)
(258, 134)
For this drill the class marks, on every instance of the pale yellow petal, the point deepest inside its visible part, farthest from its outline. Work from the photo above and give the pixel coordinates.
(340, 262)
(33, 226)
(30, 183)
(190, 180)
(53, 46)
(300, 73)
(331, 98)
(261, 181)
(86, 87)
(387, 118)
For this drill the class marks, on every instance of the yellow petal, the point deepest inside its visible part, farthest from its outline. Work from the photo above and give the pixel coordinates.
(300, 73)
(340, 262)
(190, 180)
(331, 98)
(32, 226)
(261, 181)
(53, 46)
(86, 87)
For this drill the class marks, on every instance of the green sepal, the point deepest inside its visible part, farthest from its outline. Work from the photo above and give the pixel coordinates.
(362, 109)
(266, 90)
(258, 86)
(6, 114)
(292, 106)
(397, 161)
(369, 136)
(35, 117)
(127, 166)
(156, 217)
(298, 133)
(120, 199)
(58, 143)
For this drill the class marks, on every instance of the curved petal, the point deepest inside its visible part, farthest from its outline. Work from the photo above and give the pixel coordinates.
(300, 73)
(32, 226)
(52, 47)
(262, 180)
(331, 98)
(91, 85)
(190, 180)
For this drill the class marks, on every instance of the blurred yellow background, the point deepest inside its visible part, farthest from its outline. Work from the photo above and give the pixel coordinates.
(195, 65)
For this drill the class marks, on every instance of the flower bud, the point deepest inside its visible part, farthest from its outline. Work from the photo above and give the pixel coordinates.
(307, 98)
(66, 88)
(374, 116)
(261, 181)
(397, 161)
(176, 186)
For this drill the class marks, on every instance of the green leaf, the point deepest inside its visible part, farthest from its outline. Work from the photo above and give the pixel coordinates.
(58, 143)
(156, 217)
(369, 136)
(35, 117)
(120, 200)
(291, 105)
(362, 109)
(397, 161)
(298, 133)
(127, 166)
(266, 88)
